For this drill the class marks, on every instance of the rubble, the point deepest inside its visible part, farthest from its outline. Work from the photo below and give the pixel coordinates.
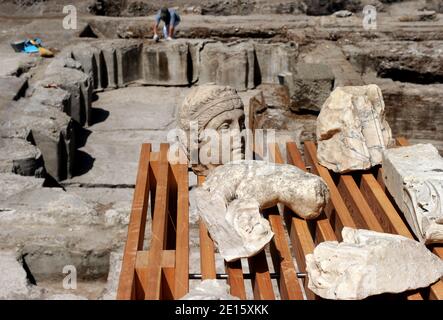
(368, 263)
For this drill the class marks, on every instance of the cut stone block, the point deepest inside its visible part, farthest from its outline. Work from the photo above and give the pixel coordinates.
(78, 84)
(368, 263)
(313, 83)
(414, 177)
(19, 156)
(224, 65)
(50, 129)
(274, 59)
(12, 88)
(129, 63)
(351, 129)
(90, 58)
(275, 96)
(167, 63)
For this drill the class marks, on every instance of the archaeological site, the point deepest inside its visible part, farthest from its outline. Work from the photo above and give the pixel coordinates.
(221, 150)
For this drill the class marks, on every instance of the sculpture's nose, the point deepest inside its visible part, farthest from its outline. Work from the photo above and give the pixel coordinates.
(236, 125)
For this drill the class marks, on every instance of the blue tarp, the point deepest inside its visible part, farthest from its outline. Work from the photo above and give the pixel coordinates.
(27, 46)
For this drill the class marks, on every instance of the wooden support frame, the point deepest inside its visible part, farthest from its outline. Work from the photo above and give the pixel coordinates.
(158, 268)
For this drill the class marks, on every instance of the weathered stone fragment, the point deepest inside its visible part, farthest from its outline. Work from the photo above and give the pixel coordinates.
(414, 177)
(351, 129)
(230, 200)
(210, 290)
(367, 263)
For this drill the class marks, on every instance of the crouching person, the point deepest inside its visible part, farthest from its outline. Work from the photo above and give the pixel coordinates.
(170, 18)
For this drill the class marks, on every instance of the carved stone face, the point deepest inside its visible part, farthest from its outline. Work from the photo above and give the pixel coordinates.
(218, 112)
(229, 124)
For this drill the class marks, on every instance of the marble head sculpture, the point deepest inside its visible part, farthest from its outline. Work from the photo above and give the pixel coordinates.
(214, 107)
(230, 200)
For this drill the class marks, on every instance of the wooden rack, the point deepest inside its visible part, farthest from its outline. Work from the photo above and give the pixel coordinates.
(358, 200)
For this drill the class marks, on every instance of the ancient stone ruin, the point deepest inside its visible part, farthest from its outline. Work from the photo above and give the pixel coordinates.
(231, 198)
(307, 71)
(352, 131)
(414, 176)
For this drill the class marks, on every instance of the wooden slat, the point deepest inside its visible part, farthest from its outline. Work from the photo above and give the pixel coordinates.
(301, 238)
(281, 253)
(357, 205)
(402, 142)
(136, 228)
(182, 238)
(167, 259)
(381, 206)
(302, 244)
(207, 257)
(342, 216)
(261, 278)
(282, 259)
(141, 268)
(258, 266)
(235, 279)
(158, 227)
(324, 231)
(385, 214)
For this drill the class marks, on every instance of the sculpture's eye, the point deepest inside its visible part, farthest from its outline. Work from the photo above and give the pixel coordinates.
(224, 126)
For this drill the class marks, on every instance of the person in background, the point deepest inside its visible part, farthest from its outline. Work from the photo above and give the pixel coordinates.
(170, 18)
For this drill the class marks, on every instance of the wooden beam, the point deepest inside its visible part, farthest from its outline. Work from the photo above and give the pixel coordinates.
(358, 207)
(235, 279)
(159, 223)
(280, 251)
(303, 242)
(261, 278)
(182, 239)
(402, 142)
(342, 216)
(383, 209)
(207, 256)
(136, 229)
